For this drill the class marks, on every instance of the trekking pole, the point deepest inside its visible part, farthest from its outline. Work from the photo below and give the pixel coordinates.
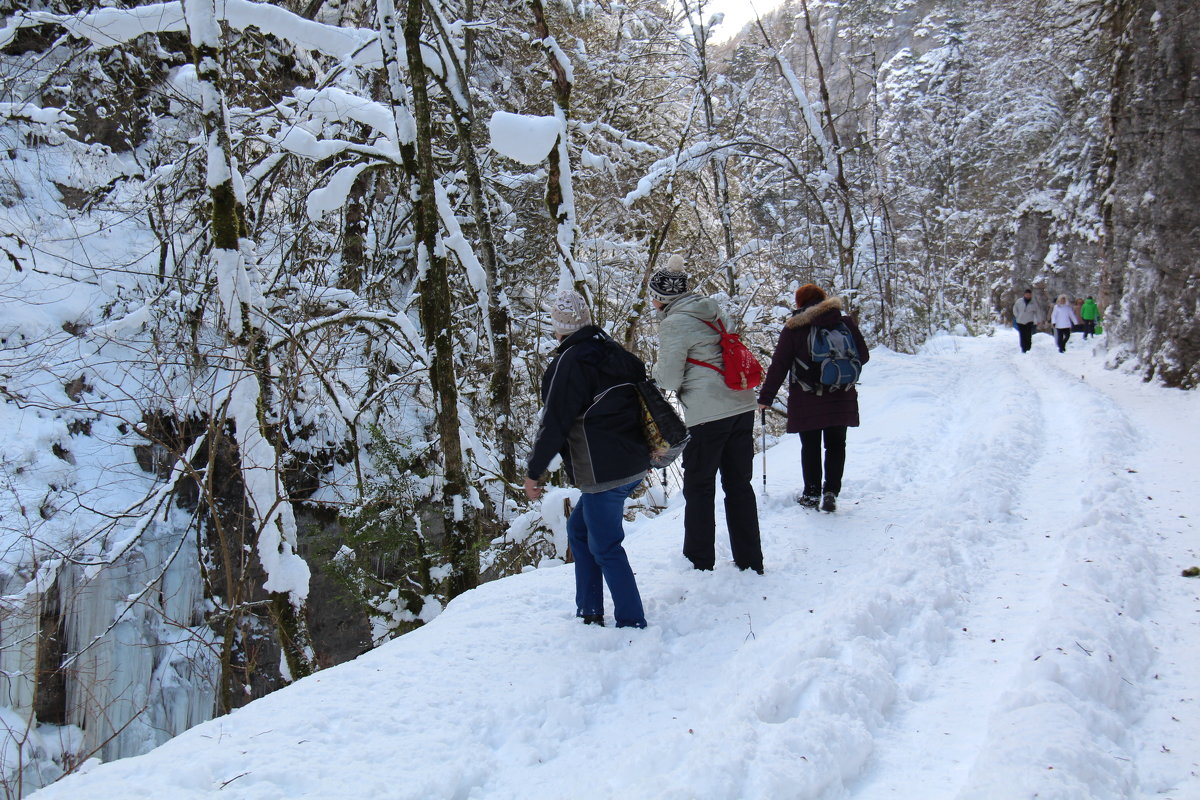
(762, 412)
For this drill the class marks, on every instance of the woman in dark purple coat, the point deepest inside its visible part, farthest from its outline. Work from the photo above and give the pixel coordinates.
(815, 416)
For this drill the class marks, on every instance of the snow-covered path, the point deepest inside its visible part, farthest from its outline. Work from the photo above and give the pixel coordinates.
(996, 611)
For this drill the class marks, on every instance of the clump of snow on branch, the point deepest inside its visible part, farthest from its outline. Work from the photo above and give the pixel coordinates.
(523, 138)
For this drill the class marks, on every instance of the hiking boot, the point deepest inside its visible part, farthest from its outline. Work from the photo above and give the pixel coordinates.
(829, 502)
(593, 619)
(808, 500)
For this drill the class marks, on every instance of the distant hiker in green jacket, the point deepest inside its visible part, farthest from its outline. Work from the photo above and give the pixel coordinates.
(1089, 313)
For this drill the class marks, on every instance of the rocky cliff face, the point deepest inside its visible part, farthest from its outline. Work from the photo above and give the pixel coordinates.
(1048, 262)
(1153, 213)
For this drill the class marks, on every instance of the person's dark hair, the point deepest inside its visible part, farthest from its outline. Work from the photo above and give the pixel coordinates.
(1028, 291)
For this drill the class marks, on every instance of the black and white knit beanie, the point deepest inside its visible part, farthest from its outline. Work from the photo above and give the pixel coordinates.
(569, 313)
(670, 282)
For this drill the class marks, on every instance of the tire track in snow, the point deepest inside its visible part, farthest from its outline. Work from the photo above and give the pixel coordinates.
(996, 456)
(810, 706)
(1072, 657)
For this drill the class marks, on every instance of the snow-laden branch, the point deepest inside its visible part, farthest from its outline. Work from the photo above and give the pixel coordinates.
(560, 191)
(332, 195)
(286, 571)
(570, 273)
(559, 55)
(399, 322)
(810, 113)
(457, 242)
(337, 104)
(109, 27)
(455, 53)
(524, 138)
(393, 54)
(300, 142)
(28, 112)
(620, 137)
(689, 159)
(356, 44)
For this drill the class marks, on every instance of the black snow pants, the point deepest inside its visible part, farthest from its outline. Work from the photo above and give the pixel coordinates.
(835, 459)
(725, 446)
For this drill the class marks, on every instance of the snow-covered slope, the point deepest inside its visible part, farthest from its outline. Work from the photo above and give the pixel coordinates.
(996, 611)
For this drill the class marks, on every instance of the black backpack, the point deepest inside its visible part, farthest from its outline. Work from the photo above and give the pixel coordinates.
(666, 433)
(835, 360)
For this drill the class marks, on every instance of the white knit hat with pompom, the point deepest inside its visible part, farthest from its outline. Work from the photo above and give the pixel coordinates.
(569, 313)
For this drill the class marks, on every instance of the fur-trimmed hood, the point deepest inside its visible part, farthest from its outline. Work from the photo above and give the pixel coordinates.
(809, 315)
(808, 411)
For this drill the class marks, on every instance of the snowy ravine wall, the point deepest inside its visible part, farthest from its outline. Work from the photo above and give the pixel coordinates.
(1153, 217)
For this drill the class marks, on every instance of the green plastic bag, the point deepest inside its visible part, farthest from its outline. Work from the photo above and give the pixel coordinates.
(1099, 329)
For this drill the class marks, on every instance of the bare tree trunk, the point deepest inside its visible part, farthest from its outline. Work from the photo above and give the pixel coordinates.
(560, 197)
(718, 167)
(267, 511)
(846, 233)
(462, 541)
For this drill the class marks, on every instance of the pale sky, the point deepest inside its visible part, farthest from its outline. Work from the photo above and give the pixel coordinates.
(737, 13)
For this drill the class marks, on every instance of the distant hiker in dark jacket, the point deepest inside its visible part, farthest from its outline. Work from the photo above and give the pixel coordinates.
(720, 421)
(815, 416)
(1026, 315)
(592, 418)
(1089, 313)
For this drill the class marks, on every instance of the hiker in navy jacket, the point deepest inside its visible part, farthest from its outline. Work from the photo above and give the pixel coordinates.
(815, 416)
(592, 418)
(720, 421)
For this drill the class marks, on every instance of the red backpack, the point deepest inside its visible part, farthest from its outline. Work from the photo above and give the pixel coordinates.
(742, 370)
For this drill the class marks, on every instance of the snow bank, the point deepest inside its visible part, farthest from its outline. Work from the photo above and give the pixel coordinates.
(982, 618)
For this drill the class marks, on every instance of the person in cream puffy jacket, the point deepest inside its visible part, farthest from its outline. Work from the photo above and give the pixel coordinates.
(720, 421)
(1063, 319)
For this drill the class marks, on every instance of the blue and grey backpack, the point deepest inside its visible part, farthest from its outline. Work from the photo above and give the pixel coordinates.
(835, 361)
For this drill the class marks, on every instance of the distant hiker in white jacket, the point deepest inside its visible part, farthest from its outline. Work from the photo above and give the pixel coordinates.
(720, 421)
(1063, 318)
(1027, 313)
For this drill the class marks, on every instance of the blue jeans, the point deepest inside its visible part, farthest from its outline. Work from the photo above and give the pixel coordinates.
(595, 532)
